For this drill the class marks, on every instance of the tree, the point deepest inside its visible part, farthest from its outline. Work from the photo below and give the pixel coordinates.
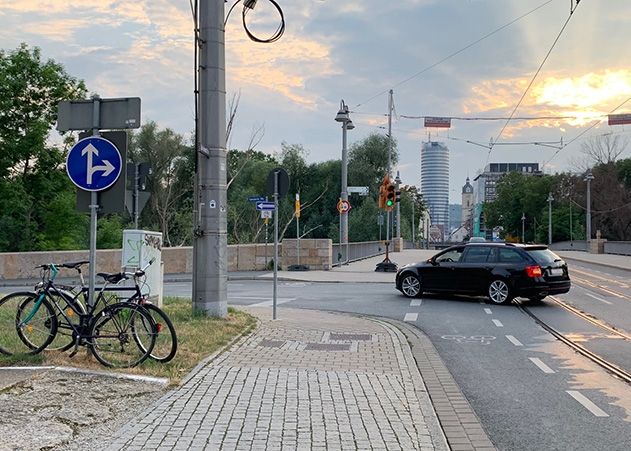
(36, 196)
(170, 183)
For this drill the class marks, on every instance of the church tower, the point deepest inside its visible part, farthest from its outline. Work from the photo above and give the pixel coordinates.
(467, 203)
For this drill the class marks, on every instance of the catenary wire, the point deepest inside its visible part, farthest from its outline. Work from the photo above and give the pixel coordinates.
(451, 55)
(531, 82)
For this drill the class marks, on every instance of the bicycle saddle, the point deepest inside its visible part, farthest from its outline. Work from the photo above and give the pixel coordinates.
(112, 278)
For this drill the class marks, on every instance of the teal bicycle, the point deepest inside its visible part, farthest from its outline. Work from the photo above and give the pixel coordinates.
(120, 335)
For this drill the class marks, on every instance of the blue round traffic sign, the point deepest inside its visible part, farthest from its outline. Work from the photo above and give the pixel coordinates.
(94, 164)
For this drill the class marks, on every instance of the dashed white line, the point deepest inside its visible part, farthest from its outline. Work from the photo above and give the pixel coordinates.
(593, 408)
(410, 317)
(514, 340)
(498, 323)
(488, 311)
(415, 302)
(598, 298)
(542, 366)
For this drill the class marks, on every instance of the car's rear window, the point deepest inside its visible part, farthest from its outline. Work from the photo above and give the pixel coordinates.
(543, 256)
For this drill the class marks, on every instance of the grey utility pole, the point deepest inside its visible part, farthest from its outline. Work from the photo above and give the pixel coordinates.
(588, 219)
(94, 207)
(389, 168)
(523, 227)
(397, 180)
(550, 199)
(343, 117)
(210, 246)
(413, 242)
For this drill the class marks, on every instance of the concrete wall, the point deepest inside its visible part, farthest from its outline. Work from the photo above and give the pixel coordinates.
(245, 257)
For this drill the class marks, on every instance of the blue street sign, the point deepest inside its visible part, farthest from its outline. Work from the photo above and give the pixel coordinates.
(265, 205)
(256, 199)
(94, 164)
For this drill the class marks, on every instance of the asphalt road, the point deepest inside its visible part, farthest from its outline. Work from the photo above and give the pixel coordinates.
(530, 391)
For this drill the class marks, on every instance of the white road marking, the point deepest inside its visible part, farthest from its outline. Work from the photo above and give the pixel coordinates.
(498, 323)
(593, 408)
(488, 311)
(514, 340)
(411, 317)
(542, 366)
(415, 302)
(270, 302)
(598, 298)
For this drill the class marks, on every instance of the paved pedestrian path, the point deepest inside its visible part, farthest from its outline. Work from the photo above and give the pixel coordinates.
(307, 381)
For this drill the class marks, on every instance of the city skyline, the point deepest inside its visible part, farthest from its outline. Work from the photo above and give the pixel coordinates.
(431, 53)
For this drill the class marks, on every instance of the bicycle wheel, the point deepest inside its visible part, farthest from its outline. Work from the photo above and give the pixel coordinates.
(65, 337)
(24, 330)
(113, 335)
(166, 340)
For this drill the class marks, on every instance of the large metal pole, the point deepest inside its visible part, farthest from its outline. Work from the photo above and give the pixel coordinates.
(211, 246)
(588, 219)
(550, 199)
(389, 168)
(413, 242)
(94, 205)
(571, 238)
(344, 194)
(523, 227)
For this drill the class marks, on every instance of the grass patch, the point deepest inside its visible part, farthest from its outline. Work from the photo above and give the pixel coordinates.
(198, 337)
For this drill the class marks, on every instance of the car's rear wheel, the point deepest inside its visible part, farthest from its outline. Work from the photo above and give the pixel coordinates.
(500, 292)
(411, 286)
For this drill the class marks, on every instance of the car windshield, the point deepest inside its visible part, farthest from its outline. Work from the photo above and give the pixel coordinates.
(543, 256)
(450, 256)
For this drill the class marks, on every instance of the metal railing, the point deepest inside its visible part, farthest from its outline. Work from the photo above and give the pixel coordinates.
(356, 251)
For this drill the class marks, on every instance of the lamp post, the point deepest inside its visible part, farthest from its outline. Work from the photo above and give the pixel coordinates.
(550, 199)
(523, 227)
(397, 180)
(588, 219)
(343, 117)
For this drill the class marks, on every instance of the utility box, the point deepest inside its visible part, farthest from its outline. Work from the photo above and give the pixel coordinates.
(139, 247)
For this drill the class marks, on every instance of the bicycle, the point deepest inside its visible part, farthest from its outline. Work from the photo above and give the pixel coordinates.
(165, 346)
(29, 323)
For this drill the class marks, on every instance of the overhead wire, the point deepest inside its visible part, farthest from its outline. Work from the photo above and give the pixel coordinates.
(451, 55)
(583, 132)
(532, 80)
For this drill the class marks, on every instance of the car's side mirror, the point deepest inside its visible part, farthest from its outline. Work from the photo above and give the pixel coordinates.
(432, 261)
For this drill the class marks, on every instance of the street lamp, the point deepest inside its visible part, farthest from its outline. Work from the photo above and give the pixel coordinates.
(588, 219)
(523, 227)
(397, 180)
(343, 117)
(550, 199)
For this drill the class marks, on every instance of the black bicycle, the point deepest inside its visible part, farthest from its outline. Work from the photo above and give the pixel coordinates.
(121, 334)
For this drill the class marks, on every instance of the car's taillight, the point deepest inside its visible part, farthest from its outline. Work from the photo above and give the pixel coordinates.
(533, 271)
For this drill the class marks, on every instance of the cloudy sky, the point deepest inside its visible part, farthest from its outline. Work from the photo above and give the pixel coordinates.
(356, 51)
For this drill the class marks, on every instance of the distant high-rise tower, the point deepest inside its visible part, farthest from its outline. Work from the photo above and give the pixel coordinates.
(435, 182)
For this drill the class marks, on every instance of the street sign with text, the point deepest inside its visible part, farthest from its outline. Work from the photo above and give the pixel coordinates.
(114, 114)
(256, 199)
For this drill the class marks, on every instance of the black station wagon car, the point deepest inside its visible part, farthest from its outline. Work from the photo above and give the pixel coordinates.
(500, 271)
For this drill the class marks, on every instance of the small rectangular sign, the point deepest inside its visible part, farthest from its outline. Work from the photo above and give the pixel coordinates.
(256, 199)
(361, 190)
(114, 114)
(266, 214)
(619, 119)
(438, 122)
(265, 206)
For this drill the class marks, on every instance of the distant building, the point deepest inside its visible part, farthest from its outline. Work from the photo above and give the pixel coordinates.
(486, 181)
(486, 190)
(435, 182)
(467, 202)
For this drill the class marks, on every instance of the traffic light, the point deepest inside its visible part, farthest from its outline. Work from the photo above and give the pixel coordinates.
(383, 192)
(390, 196)
(397, 195)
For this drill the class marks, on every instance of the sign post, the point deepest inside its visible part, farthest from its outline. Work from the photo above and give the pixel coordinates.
(94, 164)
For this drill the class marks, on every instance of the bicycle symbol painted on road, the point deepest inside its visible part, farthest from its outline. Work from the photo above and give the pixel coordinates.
(477, 339)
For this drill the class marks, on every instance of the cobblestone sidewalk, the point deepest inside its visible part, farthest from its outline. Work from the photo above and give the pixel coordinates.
(310, 380)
